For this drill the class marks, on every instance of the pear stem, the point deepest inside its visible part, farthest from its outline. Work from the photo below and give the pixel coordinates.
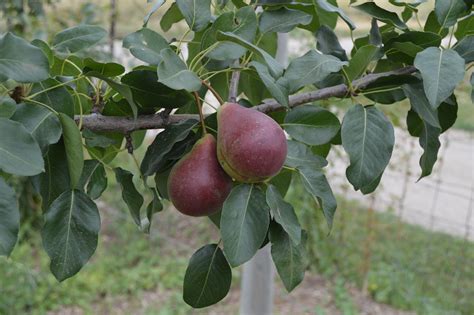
(234, 83)
(218, 97)
(201, 116)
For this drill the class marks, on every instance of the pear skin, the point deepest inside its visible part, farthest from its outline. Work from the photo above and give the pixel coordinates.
(251, 146)
(197, 185)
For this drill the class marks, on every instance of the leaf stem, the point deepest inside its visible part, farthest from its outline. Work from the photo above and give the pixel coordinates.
(80, 70)
(218, 97)
(451, 37)
(26, 99)
(81, 112)
(53, 87)
(201, 55)
(201, 116)
(349, 84)
(206, 102)
(380, 91)
(181, 40)
(143, 178)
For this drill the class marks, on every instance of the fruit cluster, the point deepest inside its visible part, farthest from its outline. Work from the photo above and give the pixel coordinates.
(251, 147)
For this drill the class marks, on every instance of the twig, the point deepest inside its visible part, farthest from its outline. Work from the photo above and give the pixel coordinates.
(218, 97)
(201, 116)
(234, 83)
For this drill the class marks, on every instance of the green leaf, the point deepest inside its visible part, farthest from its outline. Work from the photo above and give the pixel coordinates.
(163, 144)
(10, 222)
(282, 181)
(243, 23)
(429, 141)
(244, 223)
(73, 144)
(150, 95)
(146, 45)
(448, 113)
(109, 69)
(196, 13)
(172, 16)
(173, 72)
(406, 46)
(94, 177)
(161, 181)
(77, 38)
(328, 44)
(282, 20)
(465, 48)
(388, 89)
(326, 6)
(47, 51)
(381, 14)
(309, 69)
(41, 123)
(21, 61)
(472, 87)
(252, 86)
(7, 106)
(57, 98)
(323, 150)
(55, 180)
(178, 150)
(154, 8)
(278, 91)
(312, 10)
(448, 11)
(368, 138)
(317, 185)
(208, 277)
(311, 124)
(70, 233)
(375, 37)
(130, 194)
(19, 152)
(465, 27)
(69, 66)
(153, 207)
(300, 155)
(289, 259)
(361, 60)
(101, 140)
(284, 214)
(275, 68)
(441, 71)
(432, 25)
(421, 105)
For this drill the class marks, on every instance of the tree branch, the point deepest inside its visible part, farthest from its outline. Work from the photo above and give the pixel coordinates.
(98, 122)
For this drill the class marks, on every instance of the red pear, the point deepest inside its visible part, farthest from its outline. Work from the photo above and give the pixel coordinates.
(197, 185)
(251, 146)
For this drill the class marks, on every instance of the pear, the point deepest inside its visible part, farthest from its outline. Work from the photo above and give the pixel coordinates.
(197, 185)
(251, 146)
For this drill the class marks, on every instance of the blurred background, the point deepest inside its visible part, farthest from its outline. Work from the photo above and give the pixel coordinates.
(406, 249)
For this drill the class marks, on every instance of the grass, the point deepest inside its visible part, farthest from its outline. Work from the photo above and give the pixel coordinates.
(405, 266)
(399, 264)
(126, 265)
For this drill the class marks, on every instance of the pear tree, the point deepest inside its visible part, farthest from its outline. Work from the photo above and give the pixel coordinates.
(64, 118)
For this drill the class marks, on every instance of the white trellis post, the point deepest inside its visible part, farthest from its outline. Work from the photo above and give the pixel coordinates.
(256, 296)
